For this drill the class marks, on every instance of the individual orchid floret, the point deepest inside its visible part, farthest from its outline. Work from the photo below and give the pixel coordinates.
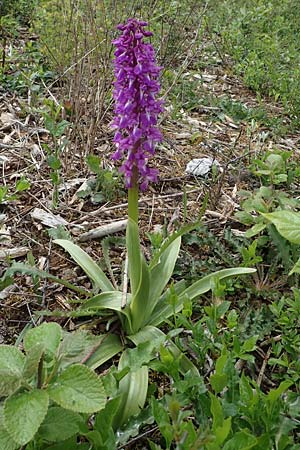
(136, 107)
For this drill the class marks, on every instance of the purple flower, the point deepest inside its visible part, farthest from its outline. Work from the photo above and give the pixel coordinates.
(136, 107)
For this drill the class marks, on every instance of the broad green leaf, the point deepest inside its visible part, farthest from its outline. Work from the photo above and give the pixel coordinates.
(242, 440)
(11, 359)
(84, 347)
(216, 410)
(223, 431)
(6, 442)
(59, 424)
(9, 382)
(250, 344)
(48, 335)
(108, 300)
(133, 388)
(70, 444)
(33, 271)
(79, 389)
(140, 308)
(87, 264)
(32, 360)
(274, 394)
(256, 229)
(296, 268)
(287, 224)
(134, 255)
(109, 347)
(151, 333)
(23, 414)
(218, 382)
(161, 273)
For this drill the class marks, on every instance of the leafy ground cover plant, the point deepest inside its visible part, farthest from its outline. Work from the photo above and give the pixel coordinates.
(152, 298)
(44, 390)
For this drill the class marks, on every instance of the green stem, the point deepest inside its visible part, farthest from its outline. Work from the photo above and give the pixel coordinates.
(133, 199)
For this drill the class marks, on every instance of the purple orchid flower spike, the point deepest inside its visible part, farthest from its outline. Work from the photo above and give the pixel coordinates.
(136, 106)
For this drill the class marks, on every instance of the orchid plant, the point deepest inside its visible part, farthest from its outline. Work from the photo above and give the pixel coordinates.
(142, 310)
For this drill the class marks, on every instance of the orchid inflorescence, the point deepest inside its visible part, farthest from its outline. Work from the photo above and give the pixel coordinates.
(136, 106)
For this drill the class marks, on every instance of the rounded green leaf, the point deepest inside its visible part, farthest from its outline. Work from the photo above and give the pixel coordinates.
(23, 414)
(32, 360)
(59, 424)
(79, 389)
(47, 334)
(6, 442)
(9, 382)
(11, 359)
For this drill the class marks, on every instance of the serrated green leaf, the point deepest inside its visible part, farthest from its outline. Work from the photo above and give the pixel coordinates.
(79, 389)
(32, 360)
(87, 264)
(9, 382)
(6, 442)
(11, 359)
(77, 346)
(48, 335)
(59, 424)
(23, 414)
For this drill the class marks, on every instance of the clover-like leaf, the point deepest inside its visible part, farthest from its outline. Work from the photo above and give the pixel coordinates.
(23, 414)
(79, 389)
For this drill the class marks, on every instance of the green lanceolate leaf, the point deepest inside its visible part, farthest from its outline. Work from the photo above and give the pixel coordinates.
(140, 306)
(164, 310)
(133, 389)
(48, 335)
(59, 424)
(109, 347)
(79, 389)
(108, 300)
(33, 271)
(205, 284)
(287, 224)
(161, 273)
(92, 270)
(23, 414)
(134, 255)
